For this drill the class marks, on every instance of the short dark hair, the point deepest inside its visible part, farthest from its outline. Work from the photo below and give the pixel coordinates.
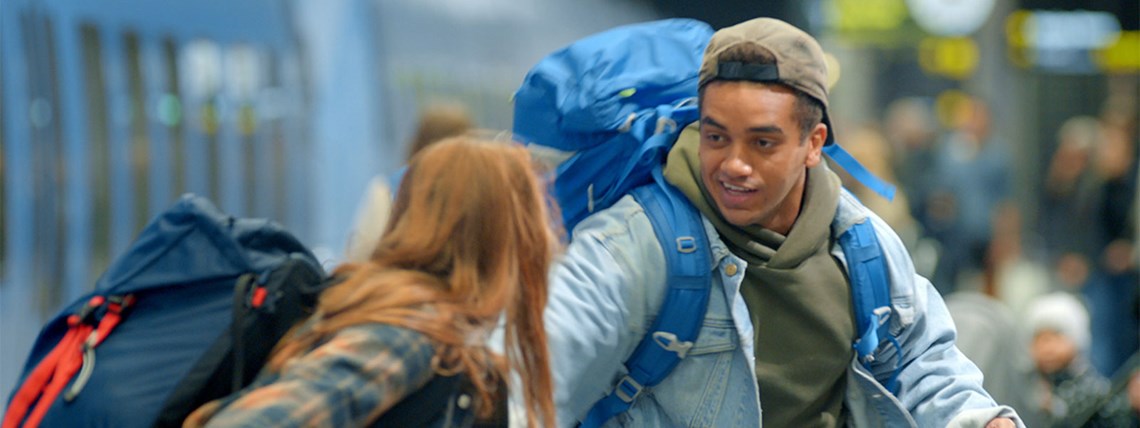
(809, 112)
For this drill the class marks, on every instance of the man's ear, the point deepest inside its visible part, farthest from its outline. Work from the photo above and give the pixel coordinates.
(815, 145)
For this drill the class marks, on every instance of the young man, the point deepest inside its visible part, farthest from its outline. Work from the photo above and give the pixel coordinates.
(779, 327)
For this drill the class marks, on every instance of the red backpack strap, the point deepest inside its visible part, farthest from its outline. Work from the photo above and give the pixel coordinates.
(34, 390)
(37, 381)
(66, 367)
(116, 306)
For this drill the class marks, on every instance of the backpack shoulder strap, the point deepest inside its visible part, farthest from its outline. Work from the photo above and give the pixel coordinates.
(681, 233)
(870, 294)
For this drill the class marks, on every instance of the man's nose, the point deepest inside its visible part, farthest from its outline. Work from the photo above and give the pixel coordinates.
(735, 165)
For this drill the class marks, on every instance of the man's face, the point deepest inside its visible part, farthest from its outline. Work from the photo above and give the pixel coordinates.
(753, 159)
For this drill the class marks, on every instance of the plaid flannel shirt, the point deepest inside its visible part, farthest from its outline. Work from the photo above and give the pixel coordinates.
(348, 380)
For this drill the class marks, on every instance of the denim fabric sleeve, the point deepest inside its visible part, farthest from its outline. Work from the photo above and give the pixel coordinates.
(595, 311)
(347, 381)
(938, 385)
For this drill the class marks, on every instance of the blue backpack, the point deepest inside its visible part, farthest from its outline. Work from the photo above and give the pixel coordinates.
(607, 109)
(188, 314)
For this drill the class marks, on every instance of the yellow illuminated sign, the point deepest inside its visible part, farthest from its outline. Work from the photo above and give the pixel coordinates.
(854, 15)
(1071, 41)
(1122, 56)
(1015, 35)
(953, 57)
(1015, 25)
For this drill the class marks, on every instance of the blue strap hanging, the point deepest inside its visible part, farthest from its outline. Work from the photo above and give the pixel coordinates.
(853, 167)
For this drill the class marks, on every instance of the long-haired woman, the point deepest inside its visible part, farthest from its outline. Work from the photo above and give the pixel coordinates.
(467, 247)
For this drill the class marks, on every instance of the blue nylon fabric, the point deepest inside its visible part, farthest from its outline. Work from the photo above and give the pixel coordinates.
(870, 289)
(583, 88)
(602, 98)
(607, 173)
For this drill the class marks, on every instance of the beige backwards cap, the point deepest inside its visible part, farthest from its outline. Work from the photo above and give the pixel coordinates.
(799, 60)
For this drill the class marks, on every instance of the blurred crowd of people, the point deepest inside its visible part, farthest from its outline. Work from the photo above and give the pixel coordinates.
(1045, 297)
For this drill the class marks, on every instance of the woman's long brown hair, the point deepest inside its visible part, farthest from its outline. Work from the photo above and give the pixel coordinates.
(469, 241)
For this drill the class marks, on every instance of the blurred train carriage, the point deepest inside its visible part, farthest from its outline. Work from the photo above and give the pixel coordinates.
(110, 109)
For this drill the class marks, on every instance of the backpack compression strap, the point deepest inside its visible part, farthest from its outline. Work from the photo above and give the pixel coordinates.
(681, 233)
(870, 295)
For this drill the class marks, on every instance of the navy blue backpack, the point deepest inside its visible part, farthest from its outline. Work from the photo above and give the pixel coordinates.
(606, 110)
(188, 314)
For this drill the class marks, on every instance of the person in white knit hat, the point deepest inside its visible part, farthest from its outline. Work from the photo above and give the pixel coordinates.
(1070, 390)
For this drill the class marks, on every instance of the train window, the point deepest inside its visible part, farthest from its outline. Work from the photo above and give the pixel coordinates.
(139, 142)
(201, 71)
(274, 104)
(48, 169)
(244, 79)
(170, 114)
(98, 152)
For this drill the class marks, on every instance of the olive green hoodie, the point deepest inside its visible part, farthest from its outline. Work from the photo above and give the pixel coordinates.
(796, 292)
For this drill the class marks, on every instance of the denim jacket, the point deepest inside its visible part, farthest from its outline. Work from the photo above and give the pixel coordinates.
(607, 288)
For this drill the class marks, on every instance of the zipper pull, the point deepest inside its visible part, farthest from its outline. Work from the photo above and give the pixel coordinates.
(85, 370)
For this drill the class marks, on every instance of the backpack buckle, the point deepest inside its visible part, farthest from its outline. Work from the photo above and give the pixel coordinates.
(670, 343)
(665, 124)
(686, 244)
(627, 389)
(628, 124)
(883, 314)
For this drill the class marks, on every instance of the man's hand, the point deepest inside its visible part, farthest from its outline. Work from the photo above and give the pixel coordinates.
(1001, 423)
